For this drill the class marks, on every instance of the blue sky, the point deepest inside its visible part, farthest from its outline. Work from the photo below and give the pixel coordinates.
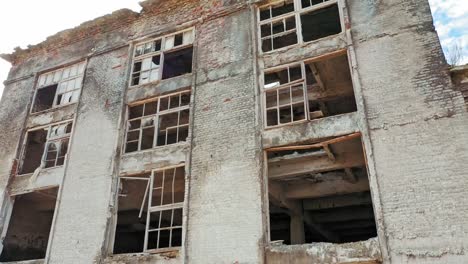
(451, 22)
(450, 19)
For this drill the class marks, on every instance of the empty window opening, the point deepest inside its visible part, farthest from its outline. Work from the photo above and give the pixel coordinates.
(151, 58)
(150, 212)
(60, 87)
(29, 226)
(277, 22)
(46, 147)
(160, 122)
(308, 90)
(320, 23)
(307, 3)
(320, 193)
(177, 63)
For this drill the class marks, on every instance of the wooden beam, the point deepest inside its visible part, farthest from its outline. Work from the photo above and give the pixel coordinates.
(317, 145)
(350, 176)
(351, 224)
(287, 169)
(317, 77)
(343, 215)
(303, 189)
(338, 201)
(329, 152)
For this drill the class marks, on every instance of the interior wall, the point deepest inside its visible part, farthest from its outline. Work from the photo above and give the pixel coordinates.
(30, 224)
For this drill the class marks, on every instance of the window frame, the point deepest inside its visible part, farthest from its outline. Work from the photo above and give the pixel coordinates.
(161, 52)
(156, 118)
(146, 204)
(80, 77)
(49, 139)
(297, 12)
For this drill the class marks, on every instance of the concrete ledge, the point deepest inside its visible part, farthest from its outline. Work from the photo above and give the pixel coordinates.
(144, 161)
(38, 261)
(158, 88)
(47, 178)
(363, 252)
(332, 126)
(305, 51)
(51, 116)
(142, 258)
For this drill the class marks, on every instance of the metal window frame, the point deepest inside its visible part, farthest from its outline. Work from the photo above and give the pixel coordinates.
(160, 53)
(48, 140)
(156, 118)
(81, 66)
(297, 12)
(160, 208)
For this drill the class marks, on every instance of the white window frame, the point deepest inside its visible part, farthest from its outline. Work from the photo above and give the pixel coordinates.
(300, 82)
(167, 46)
(49, 139)
(62, 77)
(147, 198)
(155, 118)
(298, 11)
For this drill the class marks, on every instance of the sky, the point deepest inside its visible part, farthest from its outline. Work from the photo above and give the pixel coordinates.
(31, 27)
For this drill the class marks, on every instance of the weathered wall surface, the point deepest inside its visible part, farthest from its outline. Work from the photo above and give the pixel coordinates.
(418, 126)
(83, 212)
(225, 213)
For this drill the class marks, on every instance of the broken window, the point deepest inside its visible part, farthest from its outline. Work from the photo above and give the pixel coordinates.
(320, 192)
(60, 87)
(320, 23)
(29, 226)
(277, 22)
(163, 58)
(308, 90)
(162, 121)
(46, 147)
(150, 212)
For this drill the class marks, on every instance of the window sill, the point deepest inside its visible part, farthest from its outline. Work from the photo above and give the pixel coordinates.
(157, 82)
(143, 257)
(299, 45)
(182, 144)
(42, 170)
(53, 109)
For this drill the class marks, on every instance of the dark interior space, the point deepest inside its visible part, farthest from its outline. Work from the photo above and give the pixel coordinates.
(320, 23)
(45, 98)
(30, 223)
(130, 230)
(35, 144)
(320, 193)
(177, 63)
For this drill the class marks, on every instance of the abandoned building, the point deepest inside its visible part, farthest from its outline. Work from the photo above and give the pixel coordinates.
(236, 131)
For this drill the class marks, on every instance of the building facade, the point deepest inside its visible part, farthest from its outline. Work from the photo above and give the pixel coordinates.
(292, 131)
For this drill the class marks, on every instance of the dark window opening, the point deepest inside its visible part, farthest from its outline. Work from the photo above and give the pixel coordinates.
(45, 98)
(307, 3)
(320, 23)
(177, 63)
(163, 199)
(320, 194)
(29, 227)
(131, 218)
(329, 87)
(35, 144)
